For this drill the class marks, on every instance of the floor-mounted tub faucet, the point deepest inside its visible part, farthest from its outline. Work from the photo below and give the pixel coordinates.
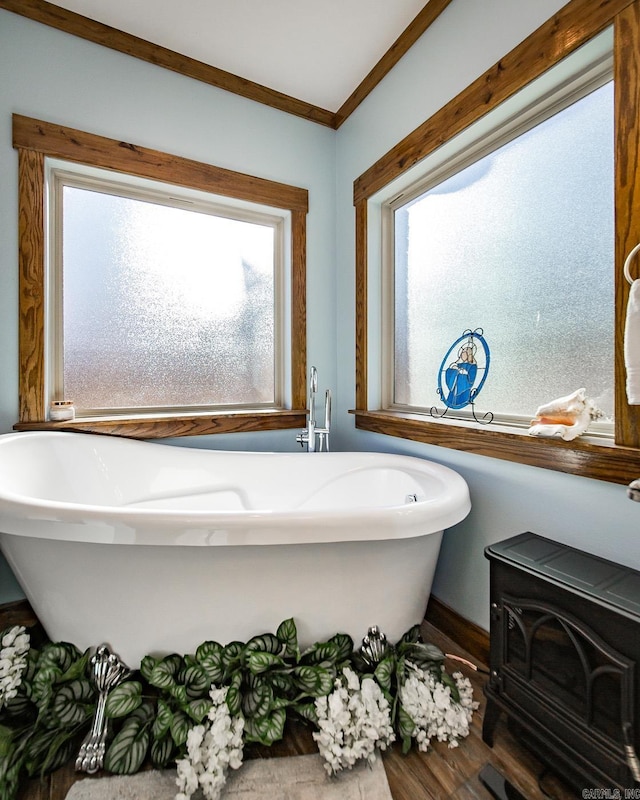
(312, 432)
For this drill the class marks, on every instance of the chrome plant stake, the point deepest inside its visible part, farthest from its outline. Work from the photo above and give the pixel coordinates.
(374, 646)
(107, 672)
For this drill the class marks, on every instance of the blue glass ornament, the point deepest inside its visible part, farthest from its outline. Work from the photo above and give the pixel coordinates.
(464, 369)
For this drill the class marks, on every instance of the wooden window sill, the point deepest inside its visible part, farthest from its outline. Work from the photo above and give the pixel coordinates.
(147, 426)
(590, 458)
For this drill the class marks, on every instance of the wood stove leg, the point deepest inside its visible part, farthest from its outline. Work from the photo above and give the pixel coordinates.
(491, 716)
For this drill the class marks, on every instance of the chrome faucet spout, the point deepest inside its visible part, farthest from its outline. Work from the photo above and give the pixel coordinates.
(312, 432)
(313, 388)
(311, 424)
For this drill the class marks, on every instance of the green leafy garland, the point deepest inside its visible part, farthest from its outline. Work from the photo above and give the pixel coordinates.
(44, 718)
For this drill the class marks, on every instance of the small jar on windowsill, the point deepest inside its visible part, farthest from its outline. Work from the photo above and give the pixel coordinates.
(61, 410)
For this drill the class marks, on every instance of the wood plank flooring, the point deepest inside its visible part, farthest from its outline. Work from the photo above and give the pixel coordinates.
(441, 774)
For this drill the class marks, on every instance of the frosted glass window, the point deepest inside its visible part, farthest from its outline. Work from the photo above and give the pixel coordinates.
(520, 244)
(165, 307)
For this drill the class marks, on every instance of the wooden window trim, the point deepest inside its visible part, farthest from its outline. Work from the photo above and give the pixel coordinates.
(34, 140)
(570, 28)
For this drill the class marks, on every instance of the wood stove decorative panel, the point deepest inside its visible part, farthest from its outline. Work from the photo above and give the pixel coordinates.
(565, 658)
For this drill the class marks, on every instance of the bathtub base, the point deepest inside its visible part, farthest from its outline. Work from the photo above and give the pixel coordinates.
(159, 599)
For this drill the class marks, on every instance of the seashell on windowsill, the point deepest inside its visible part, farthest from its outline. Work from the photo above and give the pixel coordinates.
(566, 418)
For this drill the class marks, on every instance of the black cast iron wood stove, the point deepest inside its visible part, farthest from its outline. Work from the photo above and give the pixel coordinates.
(565, 659)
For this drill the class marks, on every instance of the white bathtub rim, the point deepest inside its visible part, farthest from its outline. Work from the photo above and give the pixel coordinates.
(160, 530)
(23, 514)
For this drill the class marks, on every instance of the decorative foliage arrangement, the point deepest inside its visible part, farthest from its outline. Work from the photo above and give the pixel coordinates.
(197, 711)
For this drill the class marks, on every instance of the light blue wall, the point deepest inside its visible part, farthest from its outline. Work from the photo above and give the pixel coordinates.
(46, 74)
(52, 76)
(466, 40)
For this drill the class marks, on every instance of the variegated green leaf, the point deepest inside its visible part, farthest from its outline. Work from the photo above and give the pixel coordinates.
(209, 656)
(423, 655)
(163, 675)
(384, 672)
(400, 667)
(256, 700)
(9, 779)
(432, 652)
(196, 681)
(77, 669)
(59, 654)
(179, 693)
(73, 703)
(314, 680)
(179, 728)
(124, 699)
(161, 752)
(267, 643)
(147, 666)
(287, 634)
(406, 725)
(62, 748)
(412, 635)
(47, 749)
(198, 709)
(42, 686)
(344, 643)
(207, 649)
(320, 652)
(232, 656)
(265, 730)
(358, 663)
(30, 670)
(129, 748)
(163, 719)
(143, 714)
(306, 711)
(6, 741)
(234, 696)
(259, 661)
(281, 682)
(18, 705)
(36, 749)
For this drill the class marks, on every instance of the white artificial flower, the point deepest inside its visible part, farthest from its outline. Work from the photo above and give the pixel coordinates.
(194, 742)
(13, 661)
(212, 748)
(434, 713)
(353, 721)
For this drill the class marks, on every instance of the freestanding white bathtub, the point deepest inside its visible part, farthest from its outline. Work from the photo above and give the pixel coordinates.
(153, 548)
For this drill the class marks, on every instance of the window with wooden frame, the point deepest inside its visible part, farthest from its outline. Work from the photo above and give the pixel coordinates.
(377, 410)
(156, 293)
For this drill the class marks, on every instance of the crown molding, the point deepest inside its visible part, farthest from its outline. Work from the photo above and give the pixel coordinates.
(97, 32)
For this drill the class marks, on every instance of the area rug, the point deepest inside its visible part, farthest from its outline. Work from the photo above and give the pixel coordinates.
(294, 778)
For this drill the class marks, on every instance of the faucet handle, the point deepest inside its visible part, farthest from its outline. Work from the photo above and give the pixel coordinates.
(327, 410)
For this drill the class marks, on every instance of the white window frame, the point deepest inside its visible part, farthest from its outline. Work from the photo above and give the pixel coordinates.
(581, 73)
(60, 174)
